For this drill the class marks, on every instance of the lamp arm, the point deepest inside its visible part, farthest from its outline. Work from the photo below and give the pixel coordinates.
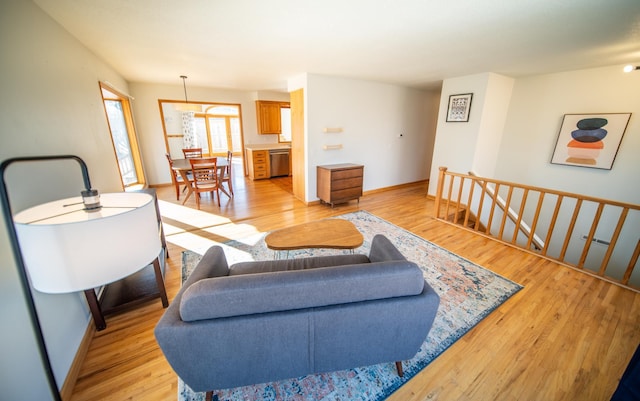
(22, 272)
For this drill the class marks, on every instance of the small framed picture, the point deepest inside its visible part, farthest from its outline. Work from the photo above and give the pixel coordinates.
(590, 140)
(459, 108)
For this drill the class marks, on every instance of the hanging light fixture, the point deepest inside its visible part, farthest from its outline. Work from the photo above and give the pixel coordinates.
(186, 106)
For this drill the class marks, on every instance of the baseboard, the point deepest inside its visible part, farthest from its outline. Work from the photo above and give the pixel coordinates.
(408, 184)
(74, 371)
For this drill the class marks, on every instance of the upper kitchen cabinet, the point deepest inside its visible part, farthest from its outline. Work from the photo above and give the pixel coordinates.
(269, 115)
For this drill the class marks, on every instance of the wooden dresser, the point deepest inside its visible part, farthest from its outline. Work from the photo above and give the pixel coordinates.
(339, 183)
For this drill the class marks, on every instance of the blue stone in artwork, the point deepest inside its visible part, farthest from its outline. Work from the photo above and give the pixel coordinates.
(589, 135)
(592, 123)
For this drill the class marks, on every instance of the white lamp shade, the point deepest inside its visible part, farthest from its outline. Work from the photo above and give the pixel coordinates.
(68, 249)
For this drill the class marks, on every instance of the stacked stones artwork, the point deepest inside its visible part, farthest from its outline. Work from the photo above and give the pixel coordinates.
(586, 145)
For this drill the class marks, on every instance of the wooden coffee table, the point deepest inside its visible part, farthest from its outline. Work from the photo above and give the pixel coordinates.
(327, 233)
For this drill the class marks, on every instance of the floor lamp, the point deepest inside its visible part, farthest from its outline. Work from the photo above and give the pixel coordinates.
(78, 244)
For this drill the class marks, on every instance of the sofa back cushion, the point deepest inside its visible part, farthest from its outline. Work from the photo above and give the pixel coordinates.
(266, 266)
(286, 290)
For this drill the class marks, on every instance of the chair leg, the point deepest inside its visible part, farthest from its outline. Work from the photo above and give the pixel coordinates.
(399, 368)
(177, 191)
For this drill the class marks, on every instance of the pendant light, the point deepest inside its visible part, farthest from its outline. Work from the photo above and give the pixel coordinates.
(186, 106)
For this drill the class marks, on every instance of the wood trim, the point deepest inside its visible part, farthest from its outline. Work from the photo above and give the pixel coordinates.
(74, 371)
(298, 160)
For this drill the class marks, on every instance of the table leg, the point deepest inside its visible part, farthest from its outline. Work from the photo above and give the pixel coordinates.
(185, 178)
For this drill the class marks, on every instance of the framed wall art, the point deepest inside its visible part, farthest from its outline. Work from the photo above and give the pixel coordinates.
(459, 107)
(590, 140)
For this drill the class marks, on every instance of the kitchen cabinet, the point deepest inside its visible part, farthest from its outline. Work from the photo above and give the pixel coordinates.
(339, 183)
(258, 163)
(268, 114)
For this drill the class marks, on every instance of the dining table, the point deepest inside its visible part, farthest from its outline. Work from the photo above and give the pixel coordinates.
(183, 167)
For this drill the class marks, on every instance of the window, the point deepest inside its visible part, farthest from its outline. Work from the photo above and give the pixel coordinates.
(216, 128)
(123, 137)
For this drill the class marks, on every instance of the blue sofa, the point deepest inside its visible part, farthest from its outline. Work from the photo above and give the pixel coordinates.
(263, 321)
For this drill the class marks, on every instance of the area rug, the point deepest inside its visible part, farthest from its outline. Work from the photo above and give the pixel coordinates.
(468, 293)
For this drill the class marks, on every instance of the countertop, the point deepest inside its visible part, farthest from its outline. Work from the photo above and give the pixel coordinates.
(268, 146)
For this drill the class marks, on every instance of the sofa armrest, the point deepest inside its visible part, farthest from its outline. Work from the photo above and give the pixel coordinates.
(383, 250)
(212, 264)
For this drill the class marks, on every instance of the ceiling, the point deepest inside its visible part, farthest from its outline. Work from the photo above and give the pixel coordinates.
(259, 45)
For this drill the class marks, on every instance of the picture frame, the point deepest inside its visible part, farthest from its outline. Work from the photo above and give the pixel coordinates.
(590, 140)
(459, 108)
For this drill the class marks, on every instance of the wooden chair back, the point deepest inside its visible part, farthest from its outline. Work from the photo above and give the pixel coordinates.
(191, 153)
(205, 177)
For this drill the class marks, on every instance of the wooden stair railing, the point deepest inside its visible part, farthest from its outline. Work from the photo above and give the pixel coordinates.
(476, 203)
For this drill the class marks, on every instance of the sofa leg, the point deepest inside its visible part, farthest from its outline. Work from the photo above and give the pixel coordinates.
(399, 368)
(209, 396)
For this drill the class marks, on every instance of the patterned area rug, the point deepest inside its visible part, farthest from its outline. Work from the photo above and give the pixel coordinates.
(467, 292)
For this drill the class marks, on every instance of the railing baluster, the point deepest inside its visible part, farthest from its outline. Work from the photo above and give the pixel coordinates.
(614, 240)
(632, 263)
(479, 214)
(572, 225)
(493, 208)
(552, 225)
(446, 210)
(523, 202)
(460, 191)
(507, 207)
(532, 231)
(467, 212)
(592, 233)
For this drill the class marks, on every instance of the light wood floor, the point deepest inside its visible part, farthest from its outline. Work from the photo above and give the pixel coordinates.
(565, 336)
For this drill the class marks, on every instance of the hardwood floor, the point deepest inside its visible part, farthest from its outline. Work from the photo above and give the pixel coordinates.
(565, 336)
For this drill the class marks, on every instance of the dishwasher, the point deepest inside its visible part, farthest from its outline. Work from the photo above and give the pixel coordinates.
(279, 161)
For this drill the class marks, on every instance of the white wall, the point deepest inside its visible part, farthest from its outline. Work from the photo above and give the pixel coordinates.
(372, 116)
(535, 114)
(149, 125)
(49, 104)
(471, 146)
(532, 118)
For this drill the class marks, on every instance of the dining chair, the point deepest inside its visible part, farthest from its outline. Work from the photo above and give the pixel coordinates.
(205, 177)
(176, 178)
(190, 153)
(226, 173)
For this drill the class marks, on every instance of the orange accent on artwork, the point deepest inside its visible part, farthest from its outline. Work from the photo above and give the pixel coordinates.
(590, 145)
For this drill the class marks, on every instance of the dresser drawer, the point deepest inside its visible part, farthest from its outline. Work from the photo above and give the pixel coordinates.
(260, 174)
(346, 194)
(346, 183)
(260, 167)
(350, 173)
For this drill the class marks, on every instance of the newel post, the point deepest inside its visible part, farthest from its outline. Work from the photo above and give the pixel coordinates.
(439, 188)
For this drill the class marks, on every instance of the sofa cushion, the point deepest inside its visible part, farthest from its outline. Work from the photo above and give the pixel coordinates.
(299, 289)
(265, 266)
